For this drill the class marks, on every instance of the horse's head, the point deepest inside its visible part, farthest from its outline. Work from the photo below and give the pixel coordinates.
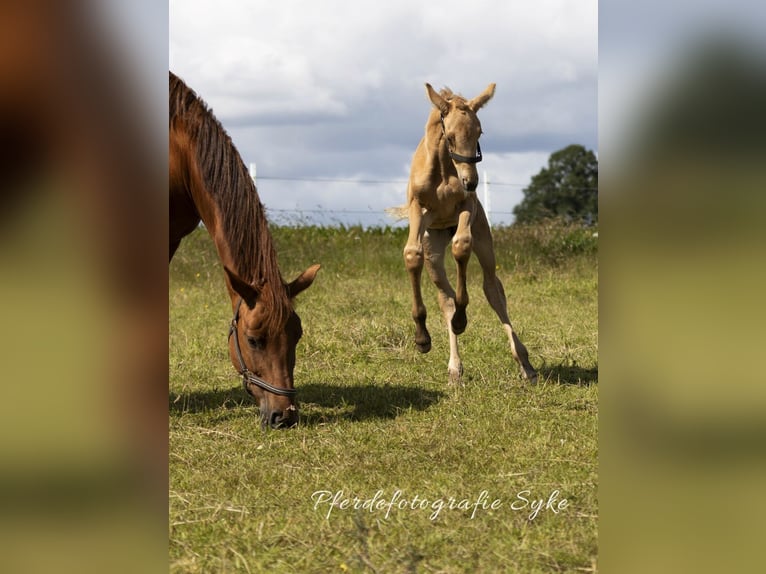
(264, 334)
(462, 130)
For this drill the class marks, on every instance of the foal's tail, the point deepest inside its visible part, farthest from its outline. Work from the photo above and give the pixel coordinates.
(398, 213)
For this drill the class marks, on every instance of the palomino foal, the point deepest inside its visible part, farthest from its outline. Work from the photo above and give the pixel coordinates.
(442, 205)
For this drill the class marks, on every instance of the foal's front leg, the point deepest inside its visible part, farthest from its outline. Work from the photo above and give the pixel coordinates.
(461, 251)
(413, 261)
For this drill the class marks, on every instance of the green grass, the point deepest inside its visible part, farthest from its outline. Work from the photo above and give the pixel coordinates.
(378, 416)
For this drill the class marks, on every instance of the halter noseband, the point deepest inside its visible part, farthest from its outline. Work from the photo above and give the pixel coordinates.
(462, 158)
(247, 375)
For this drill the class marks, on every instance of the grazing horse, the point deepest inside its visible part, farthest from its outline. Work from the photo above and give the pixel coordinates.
(209, 182)
(442, 205)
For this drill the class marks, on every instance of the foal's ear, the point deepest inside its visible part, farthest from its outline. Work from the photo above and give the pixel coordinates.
(441, 104)
(478, 102)
(303, 281)
(249, 293)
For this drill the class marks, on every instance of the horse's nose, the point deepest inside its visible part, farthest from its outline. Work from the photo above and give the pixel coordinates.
(284, 419)
(470, 184)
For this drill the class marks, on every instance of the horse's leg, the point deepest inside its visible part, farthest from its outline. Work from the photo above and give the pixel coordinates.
(182, 223)
(493, 290)
(461, 251)
(173, 247)
(435, 242)
(413, 261)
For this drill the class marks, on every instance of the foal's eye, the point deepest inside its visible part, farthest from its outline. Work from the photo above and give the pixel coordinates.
(256, 342)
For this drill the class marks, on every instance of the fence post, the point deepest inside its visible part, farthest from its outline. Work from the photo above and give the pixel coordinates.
(486, 198)
(252, 171)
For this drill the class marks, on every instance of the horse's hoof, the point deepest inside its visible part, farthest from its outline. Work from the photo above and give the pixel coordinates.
(456, 376)
(459, 321)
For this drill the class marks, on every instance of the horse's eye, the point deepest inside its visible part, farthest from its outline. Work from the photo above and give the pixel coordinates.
(256, 342)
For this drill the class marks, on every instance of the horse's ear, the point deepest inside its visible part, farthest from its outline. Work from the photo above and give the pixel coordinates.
(440, 103)
(478, 102)
(249, 293)
(303, 281)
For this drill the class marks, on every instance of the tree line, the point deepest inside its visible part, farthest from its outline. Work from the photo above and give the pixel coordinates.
(566, 189)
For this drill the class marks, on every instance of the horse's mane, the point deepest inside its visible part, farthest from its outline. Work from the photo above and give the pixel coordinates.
(228, 182)
(434, 119)
(446, 93)
(450, 96)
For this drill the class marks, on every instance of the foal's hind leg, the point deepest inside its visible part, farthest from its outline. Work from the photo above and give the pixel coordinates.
(493, 290)
(435, 243)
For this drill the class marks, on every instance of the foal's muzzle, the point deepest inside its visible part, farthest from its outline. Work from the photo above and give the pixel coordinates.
(470, 185)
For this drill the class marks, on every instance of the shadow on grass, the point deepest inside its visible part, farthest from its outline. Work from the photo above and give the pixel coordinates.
(320, 403)
(205, 401)
(327, 403)
(569, 375)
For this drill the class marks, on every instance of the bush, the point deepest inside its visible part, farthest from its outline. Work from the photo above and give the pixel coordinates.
(551, 242)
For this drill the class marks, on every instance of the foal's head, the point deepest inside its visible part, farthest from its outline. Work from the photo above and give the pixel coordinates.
(266, 334)
(462, 130)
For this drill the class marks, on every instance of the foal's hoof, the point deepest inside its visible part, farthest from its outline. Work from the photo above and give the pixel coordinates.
(459, 321)
(422, 339)
(423, 346)
(456, 376)
(531, 376)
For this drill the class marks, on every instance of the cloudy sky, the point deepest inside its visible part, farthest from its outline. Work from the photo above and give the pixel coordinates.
(328, 97)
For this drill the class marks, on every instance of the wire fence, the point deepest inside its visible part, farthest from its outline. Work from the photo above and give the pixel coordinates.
(326, 201)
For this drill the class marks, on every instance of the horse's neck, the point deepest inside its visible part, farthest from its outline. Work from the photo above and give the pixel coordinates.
(262, 260)
(434, 137)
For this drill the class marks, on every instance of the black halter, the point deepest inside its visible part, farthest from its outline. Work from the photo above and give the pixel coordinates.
(247, 375)
(462, 158)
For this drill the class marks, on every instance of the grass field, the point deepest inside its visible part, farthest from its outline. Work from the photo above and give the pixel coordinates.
(424, 477)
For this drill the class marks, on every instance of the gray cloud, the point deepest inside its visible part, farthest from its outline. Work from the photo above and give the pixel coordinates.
(336, 89)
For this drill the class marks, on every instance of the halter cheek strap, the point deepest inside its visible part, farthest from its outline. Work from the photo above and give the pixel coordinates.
(248, 377)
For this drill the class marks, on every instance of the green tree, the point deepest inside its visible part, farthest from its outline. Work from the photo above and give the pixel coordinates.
(567, 188)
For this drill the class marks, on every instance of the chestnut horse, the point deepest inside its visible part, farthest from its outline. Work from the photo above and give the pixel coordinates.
(209, 182)
(442, 206)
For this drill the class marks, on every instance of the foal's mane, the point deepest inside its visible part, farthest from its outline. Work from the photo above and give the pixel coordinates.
(450, 96)
(446, 93)
(228, 182)
(434, 119)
